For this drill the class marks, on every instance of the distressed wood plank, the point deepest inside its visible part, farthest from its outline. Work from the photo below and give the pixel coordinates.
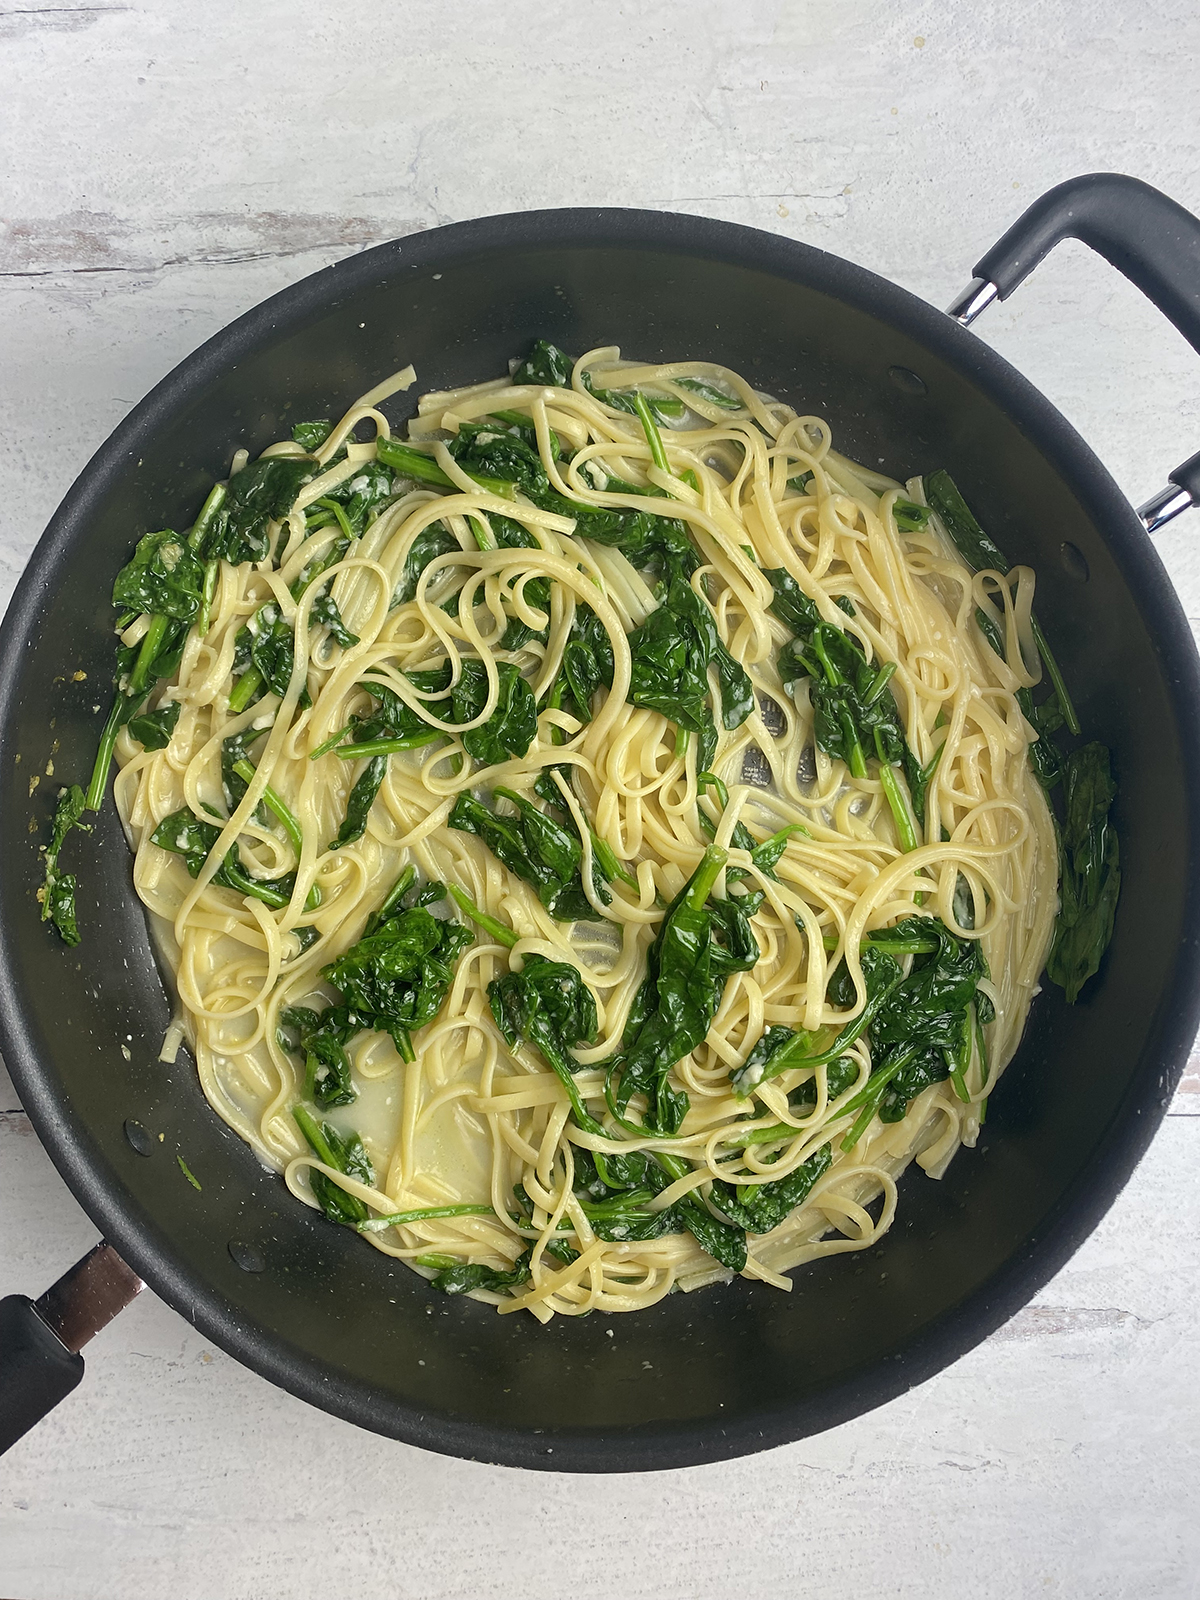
(167, 168)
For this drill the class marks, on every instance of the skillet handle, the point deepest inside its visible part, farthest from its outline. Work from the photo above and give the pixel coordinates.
(40, 1340)
(1153, 241)
(36, 1369)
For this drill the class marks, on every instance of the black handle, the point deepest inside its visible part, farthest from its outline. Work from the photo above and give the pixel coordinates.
(36, 1369)
(1153, 241)
(40, 1341)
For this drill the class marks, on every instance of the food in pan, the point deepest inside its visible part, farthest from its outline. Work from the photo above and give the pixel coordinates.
(602, 838)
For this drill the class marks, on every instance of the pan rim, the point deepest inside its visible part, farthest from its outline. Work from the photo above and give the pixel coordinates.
(652, 1447)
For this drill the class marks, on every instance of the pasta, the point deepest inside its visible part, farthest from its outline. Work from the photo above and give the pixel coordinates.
(509, 1192)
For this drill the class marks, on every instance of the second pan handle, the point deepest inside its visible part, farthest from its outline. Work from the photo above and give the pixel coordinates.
(1149, 238)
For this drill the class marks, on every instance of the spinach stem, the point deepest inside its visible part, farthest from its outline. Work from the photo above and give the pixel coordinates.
(399, 1219)
(905, 831)
(216, 497)
(412, 463)
(901, 947)
(706, 874)
(882, 679)
(327, 746)
(151, 645)
(871, 1094)
(610, 866)
(240, 881)
(482, 538)
(212, 568)
(391, 900)
(244, 690)
(315, 1134)
(273, 802)
(108, 738)
(343, 521)
(498, 931)
(1056, 678)
(709, 780)
(387, 747)
(650, 429)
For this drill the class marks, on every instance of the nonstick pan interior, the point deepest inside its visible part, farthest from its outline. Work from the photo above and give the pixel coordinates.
(730, 1369)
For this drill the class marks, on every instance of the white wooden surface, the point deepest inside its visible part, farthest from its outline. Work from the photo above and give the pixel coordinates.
(165, 167)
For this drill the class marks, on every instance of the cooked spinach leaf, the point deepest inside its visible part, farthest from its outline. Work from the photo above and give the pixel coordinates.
(360, 497)
(362, 798)
(394, 980)
(910, 517)
(260, 494)
(391, 725)
(320, 1037)
(187, 835)
(1088, 849)
(855, 715)
(536, 848)
(1045, 718)
(264, 657)
(140, 668)
(546, 365)
(324, 611)
(153, 729)
(396, 977)
(345, 1153)
(464, 1277)
(978, 551)
(58, 889)
(699, 944)
(1090, 868)
(512, 726)
(759, 1207)
(164, 577)
(881, 973)
(710, 394)
(648, 542)
(587, 664)
(671, 654)
(433, 541)
(614, 1194)
(312, 435)
(548, 1005)
(921, 1027)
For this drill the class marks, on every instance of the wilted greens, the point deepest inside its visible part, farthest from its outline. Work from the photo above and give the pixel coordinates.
(548, 1005)
(530, 843)
(1091, 871)
(700, 943)
(921, 1027)
(855, 715)
(58, 889)
(1089, 864)
(614, 1194)
(345, 1153)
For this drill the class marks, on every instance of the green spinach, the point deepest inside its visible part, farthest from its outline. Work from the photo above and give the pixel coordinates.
(345, 1153)
(699, 945)
(548, 1005)
(1090, 867)
(855, 715)
(58, 889)
(536, 848)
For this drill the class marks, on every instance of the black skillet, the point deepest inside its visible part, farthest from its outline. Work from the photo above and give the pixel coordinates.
(735, 1369)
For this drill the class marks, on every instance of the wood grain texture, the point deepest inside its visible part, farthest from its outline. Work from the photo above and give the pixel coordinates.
(166, 168)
